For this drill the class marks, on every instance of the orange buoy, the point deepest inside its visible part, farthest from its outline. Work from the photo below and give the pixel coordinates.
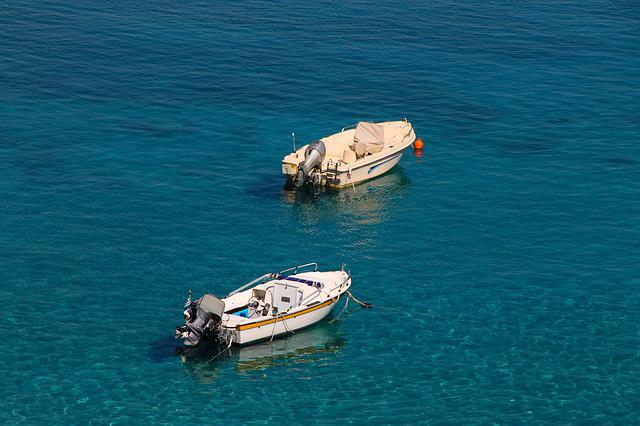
(418, 144)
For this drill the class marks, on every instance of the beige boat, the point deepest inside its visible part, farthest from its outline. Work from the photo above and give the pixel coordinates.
(355, 154)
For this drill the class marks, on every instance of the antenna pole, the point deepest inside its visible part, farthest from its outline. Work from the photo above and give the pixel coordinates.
(293, 138)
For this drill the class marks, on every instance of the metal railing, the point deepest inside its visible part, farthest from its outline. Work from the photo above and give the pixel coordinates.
(268, 277)
(351, 126)
(250, 283)
(295, 268)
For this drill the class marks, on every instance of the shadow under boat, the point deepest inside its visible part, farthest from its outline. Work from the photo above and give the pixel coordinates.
(272, 187)
(394, 180)
(367, 202)
(303, 347)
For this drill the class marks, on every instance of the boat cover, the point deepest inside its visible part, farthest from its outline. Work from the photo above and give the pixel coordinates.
(299, 280)
(211, 304)
(369, 138)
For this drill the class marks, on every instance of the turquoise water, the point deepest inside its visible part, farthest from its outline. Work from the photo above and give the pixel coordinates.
(139, 157)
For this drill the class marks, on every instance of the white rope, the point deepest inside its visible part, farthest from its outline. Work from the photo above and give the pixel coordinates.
(350, 176)
(273, 330)
(343, 309)
(284, 322)
(333, 300)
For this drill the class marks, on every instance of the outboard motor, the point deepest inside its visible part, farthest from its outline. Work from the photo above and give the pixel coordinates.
(203, 318)
(313, 157)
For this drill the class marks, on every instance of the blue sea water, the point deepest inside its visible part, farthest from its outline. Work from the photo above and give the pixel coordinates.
(140, 147)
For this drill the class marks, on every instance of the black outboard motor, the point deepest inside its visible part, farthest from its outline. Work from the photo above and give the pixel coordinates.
(203, 318)
(313, 157)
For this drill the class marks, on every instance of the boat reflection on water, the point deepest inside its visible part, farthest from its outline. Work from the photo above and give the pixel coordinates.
(364, 203)
(303, 347)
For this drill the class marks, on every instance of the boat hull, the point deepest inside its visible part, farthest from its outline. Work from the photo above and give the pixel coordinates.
(263, 330)
(367, 171)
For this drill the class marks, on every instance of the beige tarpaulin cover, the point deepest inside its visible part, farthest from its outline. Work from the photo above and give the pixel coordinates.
(369, 138)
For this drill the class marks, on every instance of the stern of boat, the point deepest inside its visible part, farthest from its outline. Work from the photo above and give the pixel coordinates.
(291, 163)
(202, 320)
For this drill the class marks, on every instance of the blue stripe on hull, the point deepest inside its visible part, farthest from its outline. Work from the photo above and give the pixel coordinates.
(380, 164)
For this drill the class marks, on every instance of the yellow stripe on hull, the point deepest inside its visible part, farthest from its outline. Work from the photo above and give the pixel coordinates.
(286, 317)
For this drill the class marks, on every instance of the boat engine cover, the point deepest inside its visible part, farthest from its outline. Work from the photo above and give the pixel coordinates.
(211, 304)
(313, 156)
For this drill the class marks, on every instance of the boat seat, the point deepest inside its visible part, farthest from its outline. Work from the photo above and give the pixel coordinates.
(285, 296)
(335, 147)
(348, 156)
(259, 294)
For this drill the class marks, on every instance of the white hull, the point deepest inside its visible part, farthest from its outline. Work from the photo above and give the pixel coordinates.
(278, 327)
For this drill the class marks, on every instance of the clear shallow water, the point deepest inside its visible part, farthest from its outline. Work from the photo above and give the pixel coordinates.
(139, 157)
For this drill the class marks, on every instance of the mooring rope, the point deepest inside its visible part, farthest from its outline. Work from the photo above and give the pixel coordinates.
(387, 308)
(361, 303)
(273, 330)
(349, 176)
(284, 322)
(343, 309)
(221, 352)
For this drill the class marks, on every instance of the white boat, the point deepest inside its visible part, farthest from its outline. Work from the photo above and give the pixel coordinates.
(353, 155)
(269, 306)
